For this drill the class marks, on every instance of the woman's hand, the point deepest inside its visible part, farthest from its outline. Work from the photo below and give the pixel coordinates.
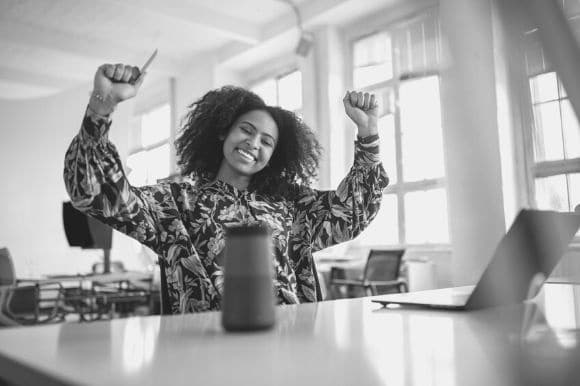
(363, 110)
(114, 83)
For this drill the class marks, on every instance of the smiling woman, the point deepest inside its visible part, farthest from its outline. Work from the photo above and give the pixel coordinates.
(231, 132)
(246, 162)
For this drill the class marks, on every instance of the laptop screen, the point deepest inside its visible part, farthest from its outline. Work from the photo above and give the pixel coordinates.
(534, 244)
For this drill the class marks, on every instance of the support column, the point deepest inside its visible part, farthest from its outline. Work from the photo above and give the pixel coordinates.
(329, 59)
(470, 133)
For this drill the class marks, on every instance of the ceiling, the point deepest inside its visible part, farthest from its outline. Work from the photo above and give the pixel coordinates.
(50, 46)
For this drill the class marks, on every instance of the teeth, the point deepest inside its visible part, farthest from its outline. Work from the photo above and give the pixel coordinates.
(246, 155)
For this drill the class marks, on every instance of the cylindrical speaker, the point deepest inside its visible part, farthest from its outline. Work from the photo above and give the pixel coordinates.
(248, 302)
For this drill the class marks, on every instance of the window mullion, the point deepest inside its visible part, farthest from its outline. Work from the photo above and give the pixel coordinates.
(561, 122)
(553, 168)
(528, 139)
(150, 147)
(569, 193)
(380, 85)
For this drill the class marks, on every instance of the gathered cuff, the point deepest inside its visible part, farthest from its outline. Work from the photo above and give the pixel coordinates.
(367, 152)
(95, 127)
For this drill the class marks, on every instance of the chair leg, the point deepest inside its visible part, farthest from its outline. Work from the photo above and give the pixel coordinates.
(372, 289)
(403, 287)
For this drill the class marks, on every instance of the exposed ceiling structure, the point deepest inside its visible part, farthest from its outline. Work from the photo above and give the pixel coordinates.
(49, 46)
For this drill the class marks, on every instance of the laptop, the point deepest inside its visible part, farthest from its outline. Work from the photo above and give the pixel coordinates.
(534, 244)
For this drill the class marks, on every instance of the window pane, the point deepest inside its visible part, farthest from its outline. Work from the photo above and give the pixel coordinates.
(156, 126)
(290, 91)
(385, 99)
(574, 190)
(571, 130)
(137, 168)
(158, 163)
(548, 132)
(267, 91)
(552, 193)
(372, 60)
(544, 87)
(417, 46)
(422, 139)
(426, 217)
(387, 147)
(372, 50)
(384, 229)
(135, 142)
(574, 193)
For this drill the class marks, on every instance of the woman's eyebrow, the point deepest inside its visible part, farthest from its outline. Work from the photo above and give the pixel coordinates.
(254, 127)
(251, 124)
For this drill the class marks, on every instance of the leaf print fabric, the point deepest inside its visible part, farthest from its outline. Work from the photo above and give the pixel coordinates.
(184, 222)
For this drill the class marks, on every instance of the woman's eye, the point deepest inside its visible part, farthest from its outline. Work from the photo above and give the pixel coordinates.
(246, 130)
(267, 143)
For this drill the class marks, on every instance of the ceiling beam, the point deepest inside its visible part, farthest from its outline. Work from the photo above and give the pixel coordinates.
(40, 37)
(309, 11)
(200, 16)
(314, 13)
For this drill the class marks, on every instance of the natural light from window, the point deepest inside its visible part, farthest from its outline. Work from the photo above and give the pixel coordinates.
(149, 159)
(400, 66)
(284, 91)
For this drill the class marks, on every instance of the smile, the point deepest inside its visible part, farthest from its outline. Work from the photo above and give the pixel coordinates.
(247, 155)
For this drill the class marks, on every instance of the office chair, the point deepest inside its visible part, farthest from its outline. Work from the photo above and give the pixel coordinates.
(381, 274)
(25, 302)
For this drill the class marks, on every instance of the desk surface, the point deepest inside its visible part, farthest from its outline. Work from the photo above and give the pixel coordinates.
(101, 277)
(344, 342)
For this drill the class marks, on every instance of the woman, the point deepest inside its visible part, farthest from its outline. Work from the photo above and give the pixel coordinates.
(248, 162)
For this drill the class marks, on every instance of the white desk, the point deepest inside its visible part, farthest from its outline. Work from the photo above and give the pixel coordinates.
(344, 342)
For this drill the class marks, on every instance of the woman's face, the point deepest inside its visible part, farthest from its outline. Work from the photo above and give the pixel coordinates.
(250, 142)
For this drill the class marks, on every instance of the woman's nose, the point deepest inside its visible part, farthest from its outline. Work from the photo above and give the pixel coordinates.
(253, 142)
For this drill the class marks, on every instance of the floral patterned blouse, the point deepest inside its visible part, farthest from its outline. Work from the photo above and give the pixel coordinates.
(183, 222)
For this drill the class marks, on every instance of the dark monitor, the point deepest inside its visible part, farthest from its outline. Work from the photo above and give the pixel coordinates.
(84, 231)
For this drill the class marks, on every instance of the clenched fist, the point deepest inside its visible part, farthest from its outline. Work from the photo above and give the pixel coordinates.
(363, 110)
(114, 83)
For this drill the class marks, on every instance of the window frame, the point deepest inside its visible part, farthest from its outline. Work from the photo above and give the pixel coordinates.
(538, 169)
(399, 188)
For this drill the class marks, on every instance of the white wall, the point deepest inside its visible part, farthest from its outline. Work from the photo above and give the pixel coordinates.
(34, 135)
(194, 83)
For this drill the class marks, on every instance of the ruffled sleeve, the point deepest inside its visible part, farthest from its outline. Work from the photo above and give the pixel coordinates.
(325, 218)
(96, 183)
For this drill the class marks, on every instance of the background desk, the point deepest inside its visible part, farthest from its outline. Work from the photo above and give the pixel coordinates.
(344, 342)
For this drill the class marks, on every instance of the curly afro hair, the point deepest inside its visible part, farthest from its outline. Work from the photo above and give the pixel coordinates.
(199, 149)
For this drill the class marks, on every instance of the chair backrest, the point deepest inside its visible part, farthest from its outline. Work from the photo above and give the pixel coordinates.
(383, 264)
(7, 274)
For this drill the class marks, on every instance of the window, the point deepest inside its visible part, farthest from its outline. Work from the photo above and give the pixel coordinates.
(284, 91)
(149, 154)
(552, 134)
(399, 65)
